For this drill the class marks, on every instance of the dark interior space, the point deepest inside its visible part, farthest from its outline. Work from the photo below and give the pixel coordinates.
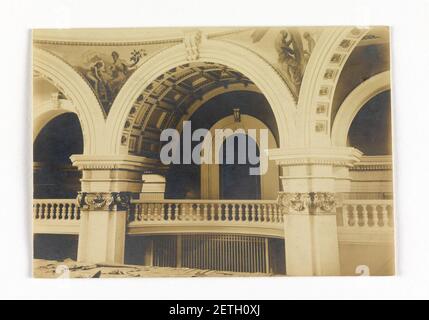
(54, 176)
(371, 130)
(183, 180)
(55, 247)
(235, 180)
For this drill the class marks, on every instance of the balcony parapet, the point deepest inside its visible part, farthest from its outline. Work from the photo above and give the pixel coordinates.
(56, 216)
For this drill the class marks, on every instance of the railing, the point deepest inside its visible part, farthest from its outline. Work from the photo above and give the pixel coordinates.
(257, 217)
(252, 211)
(56, 216)
(254, 217)
(367, 214)
(56, 209)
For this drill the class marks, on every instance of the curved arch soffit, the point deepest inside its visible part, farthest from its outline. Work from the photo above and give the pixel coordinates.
(243, 60)
(212, 94)
(74, 87)
(332, 50)
(47, 111)
(354, 103)
(247, 122)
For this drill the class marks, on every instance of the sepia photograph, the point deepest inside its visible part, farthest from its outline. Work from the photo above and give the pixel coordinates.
(212, 152)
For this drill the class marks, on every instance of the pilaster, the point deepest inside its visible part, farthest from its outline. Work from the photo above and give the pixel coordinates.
(311, 180)
(108, 184)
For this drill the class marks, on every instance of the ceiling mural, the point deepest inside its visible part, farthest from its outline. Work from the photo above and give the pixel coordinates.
(105, 67)
(286, 49)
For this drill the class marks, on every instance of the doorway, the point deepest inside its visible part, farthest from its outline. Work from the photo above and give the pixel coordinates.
(235, 180)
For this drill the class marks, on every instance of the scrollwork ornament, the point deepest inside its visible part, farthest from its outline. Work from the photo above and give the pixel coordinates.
(101, 201)
(311, 202)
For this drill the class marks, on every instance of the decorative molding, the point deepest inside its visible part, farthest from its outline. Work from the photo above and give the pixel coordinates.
(106, 43)
(373, 163)
(353, 103)
(104, 201)
(307, 203)
(192, 42)
(335, 156)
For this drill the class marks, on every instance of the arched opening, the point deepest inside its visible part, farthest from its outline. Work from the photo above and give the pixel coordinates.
(54, 176)
(184, 180)
(236, 182)
(371, 131)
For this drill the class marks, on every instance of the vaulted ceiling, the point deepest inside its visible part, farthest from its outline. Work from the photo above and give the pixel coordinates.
(167, 100)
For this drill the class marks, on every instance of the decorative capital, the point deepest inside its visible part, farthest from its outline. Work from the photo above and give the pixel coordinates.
(104, 201)
(192, 42)
(311, 202)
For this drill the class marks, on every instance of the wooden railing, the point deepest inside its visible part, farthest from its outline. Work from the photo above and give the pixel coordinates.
(254, 211)
(367, 214)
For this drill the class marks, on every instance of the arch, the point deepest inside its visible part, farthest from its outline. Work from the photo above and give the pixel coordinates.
(47, 111)
(210, 172)
(77, 91)
(212, 94)
(212, 51)
(320, 79)
(354, 102)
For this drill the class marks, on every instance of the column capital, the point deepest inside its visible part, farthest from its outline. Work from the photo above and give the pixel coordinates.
(337, 156)
(104, 201)
(314, 203)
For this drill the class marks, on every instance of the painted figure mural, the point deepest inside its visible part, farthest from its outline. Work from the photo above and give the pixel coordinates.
(106, 75)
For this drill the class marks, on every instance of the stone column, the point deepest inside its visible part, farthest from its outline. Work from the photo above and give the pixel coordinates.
(311, 179)
(108, 184)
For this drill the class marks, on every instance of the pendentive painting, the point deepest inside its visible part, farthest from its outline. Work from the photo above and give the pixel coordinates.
(212, 152)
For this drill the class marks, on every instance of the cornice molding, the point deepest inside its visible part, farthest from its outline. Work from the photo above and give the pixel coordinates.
(336, 156)
(107, 43)
(115, 162)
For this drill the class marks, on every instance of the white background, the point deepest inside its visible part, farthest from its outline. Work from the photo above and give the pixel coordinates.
(410, 50)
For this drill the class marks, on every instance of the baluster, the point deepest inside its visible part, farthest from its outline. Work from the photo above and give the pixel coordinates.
(36, 210)
(385, 215)
(198, 211)
(205, 212)
(231, 212)
(265, 212)
(192, 210)
(216, 212)
(66, 211)
(150, 212)
(138, 212)
(355, 215)
(156, 212)
(72, 209)
(60, 211)
(169, 211)
(77, 212)
(271, 211)
(346, 215)
(162, 213)
(48, 211)
(373, 221)
(246, 212)
(364, 215)
(252, 212)
(240, 212)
